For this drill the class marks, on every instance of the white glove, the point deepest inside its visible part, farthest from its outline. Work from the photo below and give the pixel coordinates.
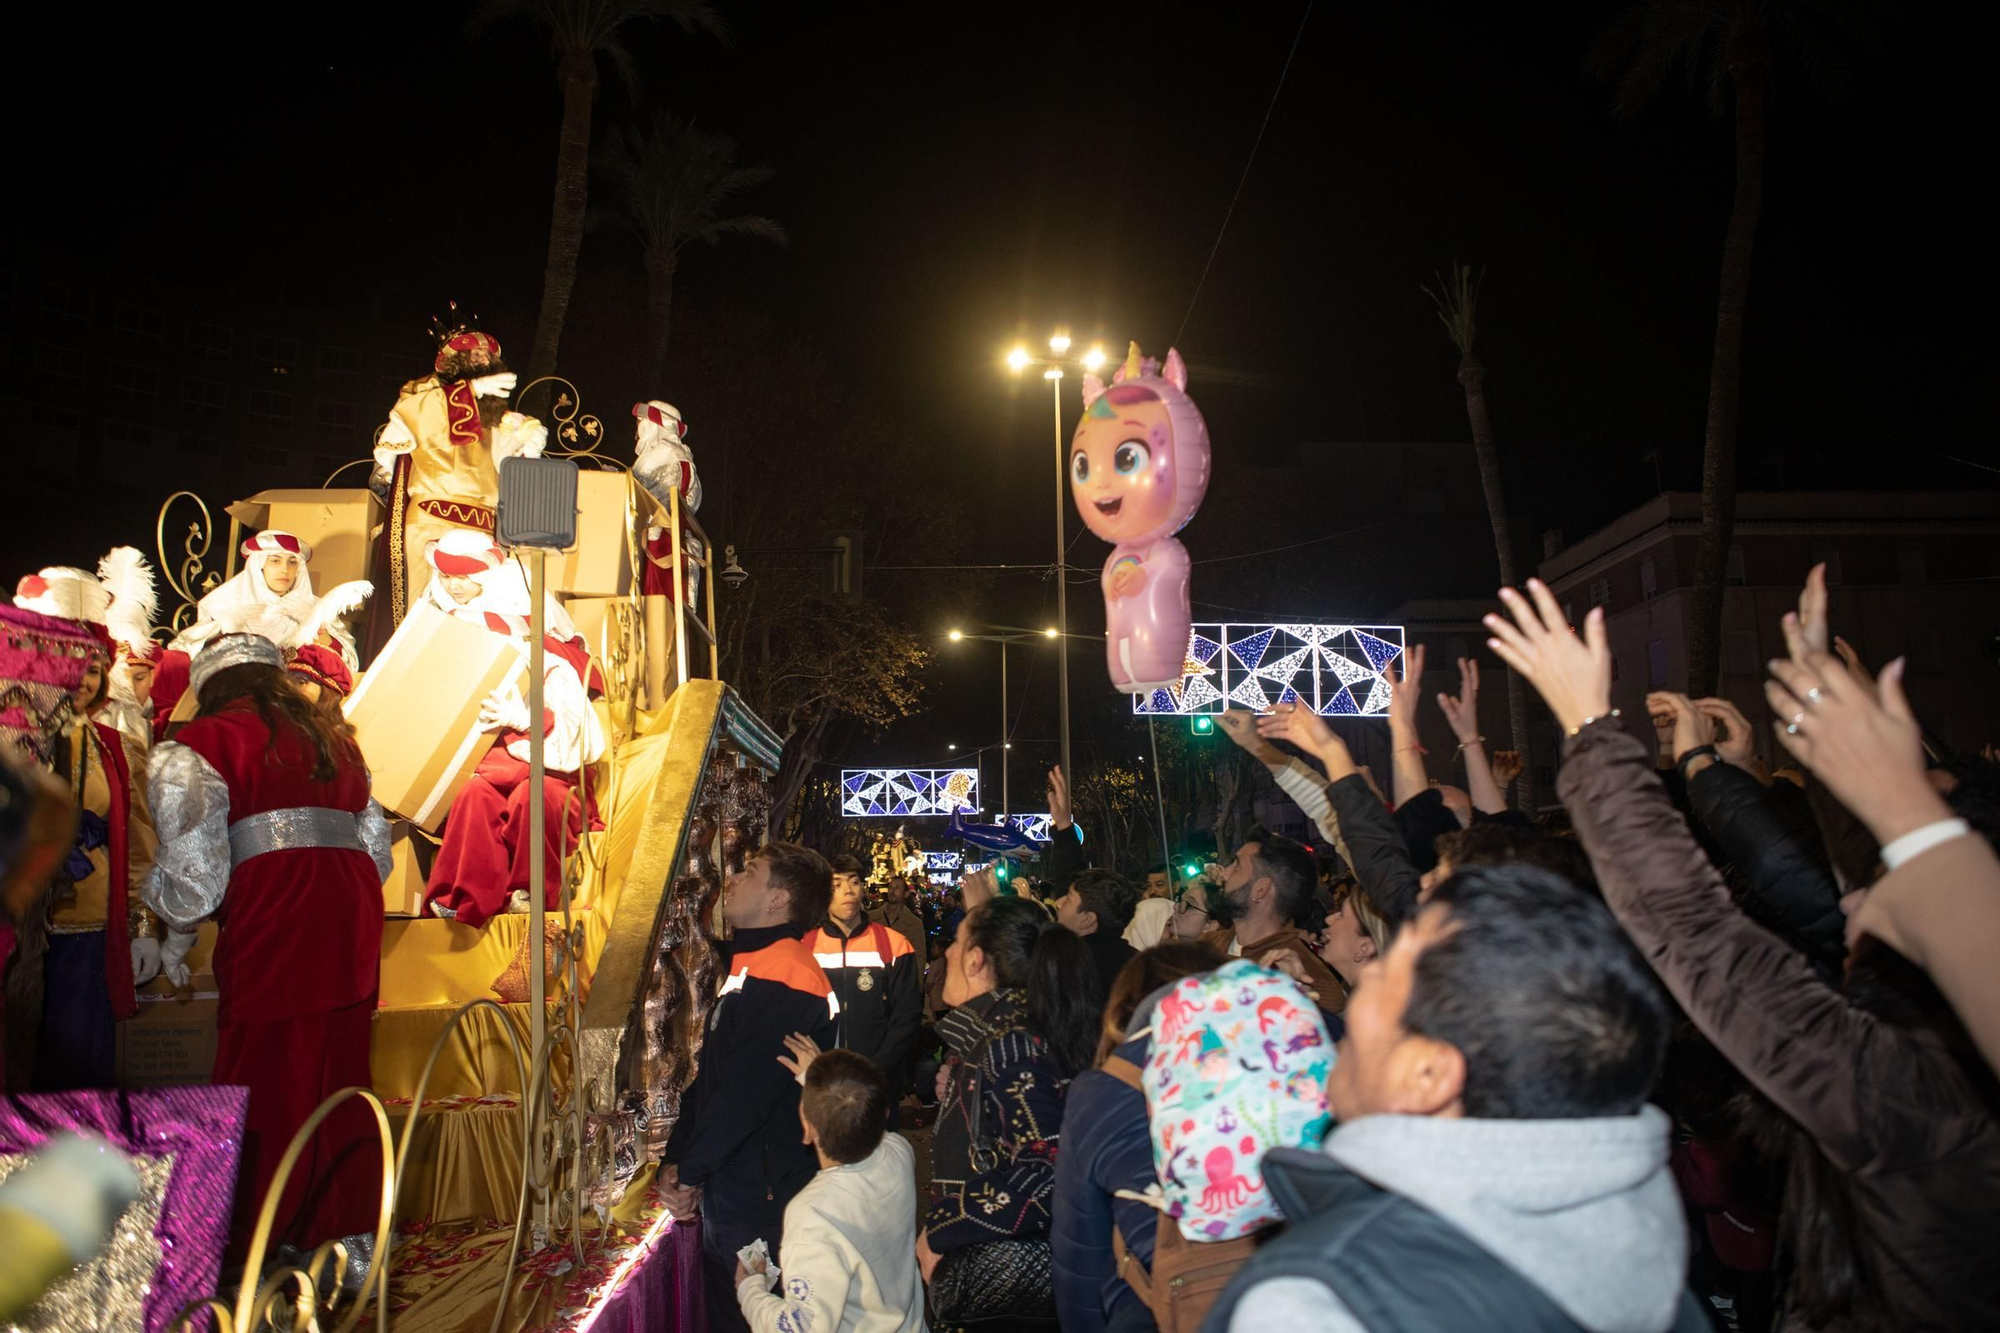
(504, 710)
(173, 956)
(494, 386)
(145, 961)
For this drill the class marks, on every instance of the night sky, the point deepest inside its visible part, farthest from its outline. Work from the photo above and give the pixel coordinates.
(953, 180)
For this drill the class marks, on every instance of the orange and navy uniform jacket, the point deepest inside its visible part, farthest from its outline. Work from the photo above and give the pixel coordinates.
(874, 975)
(738, 1133)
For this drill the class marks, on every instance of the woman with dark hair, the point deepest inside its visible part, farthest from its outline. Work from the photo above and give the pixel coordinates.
(98, 948)
(1024, 1021)
(265, 824)
(1107, 1147)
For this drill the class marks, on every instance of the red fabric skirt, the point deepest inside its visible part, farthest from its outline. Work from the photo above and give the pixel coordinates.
(290, 1067)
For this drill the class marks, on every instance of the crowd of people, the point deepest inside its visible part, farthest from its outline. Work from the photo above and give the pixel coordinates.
(1711, 1048)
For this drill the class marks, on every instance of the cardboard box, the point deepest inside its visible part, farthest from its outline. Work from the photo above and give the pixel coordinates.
(338, 524)
(601, 565)
(416, 711)
(171, 1040)
(403, 891)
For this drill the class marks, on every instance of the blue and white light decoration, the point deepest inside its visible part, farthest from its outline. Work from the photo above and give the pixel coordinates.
(888, 793)
(1033, 827)
(1336, 670)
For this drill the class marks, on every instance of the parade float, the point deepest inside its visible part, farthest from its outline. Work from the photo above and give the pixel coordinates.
(527, 1070)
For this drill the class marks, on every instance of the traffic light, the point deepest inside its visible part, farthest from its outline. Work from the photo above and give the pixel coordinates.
(1201, 724)
(1001, 870)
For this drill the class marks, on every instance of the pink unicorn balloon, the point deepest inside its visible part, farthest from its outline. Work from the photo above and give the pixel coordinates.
(1138, 468)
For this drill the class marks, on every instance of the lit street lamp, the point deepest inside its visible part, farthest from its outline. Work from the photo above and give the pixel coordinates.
(1003, 639)
(1019, 360)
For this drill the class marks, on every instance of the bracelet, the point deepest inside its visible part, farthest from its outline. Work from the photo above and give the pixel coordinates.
(1405, 749)
(1918, 841)
(1698, 752)
(1596, 717)
(1476, 740)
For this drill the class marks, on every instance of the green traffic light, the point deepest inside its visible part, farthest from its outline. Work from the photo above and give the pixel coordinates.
(1201, 724)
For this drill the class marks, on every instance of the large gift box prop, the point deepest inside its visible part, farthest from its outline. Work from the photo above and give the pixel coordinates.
(336, 523)
(609, 506)
(416, 711)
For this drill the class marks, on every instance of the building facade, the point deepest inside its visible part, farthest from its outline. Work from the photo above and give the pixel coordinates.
(1913, 574)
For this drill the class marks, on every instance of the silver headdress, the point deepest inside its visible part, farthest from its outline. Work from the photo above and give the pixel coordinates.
(231, 650)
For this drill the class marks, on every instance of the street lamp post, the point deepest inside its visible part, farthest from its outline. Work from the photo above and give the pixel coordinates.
(1003, 639)
(1052, 371)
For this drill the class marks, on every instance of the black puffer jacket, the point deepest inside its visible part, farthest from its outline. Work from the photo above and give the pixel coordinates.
(1769, 835)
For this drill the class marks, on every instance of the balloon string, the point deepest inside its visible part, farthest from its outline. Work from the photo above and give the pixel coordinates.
(1214, 249)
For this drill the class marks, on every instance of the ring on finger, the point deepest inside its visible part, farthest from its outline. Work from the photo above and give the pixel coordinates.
(1815, 694)
(1791, 728)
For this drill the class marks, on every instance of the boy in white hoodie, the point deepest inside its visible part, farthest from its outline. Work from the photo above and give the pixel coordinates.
(850, 1237)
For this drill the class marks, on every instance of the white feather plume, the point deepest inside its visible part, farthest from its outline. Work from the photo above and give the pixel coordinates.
(334, 603)
(134, 599)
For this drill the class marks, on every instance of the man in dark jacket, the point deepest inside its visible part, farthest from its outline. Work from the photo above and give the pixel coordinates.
(1096, 908)
(736, 1152)
(1491, 1093)
(873, 971)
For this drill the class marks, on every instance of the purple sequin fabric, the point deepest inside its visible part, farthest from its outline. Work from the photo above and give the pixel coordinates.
(200, 1127)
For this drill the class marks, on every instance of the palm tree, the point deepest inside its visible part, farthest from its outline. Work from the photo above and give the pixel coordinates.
(1457, 302)
(1726, 45)
(670, 184)
(579, 31)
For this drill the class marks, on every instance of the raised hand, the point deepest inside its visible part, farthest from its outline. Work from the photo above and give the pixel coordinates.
(1691, 727)
(1868, 751)
(1572, 675)
(1462, 711)
(1732, 741)
(1059, 812)
(1811, 618)
(1240, 725)
(1309, 731)
(1407, 680)
(1507, 765)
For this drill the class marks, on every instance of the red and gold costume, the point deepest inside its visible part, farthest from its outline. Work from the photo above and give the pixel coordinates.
(442, 462)
(291, 868)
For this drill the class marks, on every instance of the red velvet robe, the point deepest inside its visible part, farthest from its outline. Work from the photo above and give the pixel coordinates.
(296, 963)
(117, 868)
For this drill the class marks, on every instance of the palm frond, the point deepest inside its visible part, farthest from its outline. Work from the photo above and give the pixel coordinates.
(1457, 302)
(595, 27)
(750, 224)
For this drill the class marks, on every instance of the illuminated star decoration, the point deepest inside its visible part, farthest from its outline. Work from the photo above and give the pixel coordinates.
(870, 793)
(1335, 670)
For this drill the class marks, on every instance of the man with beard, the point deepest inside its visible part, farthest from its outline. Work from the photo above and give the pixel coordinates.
(439, 454)
(1264, 890)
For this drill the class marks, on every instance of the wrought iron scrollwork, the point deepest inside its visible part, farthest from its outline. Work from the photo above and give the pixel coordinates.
(187, 573)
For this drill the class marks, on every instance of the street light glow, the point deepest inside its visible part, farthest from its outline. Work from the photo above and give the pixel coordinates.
(952, 745)
(1093, 358)
(1059, 343)
(1017, 360)
(1052, 373)
(1049, 633)
(956, 635)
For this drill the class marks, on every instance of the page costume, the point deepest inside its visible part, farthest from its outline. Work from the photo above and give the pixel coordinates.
(292, 869)
(484, 859)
